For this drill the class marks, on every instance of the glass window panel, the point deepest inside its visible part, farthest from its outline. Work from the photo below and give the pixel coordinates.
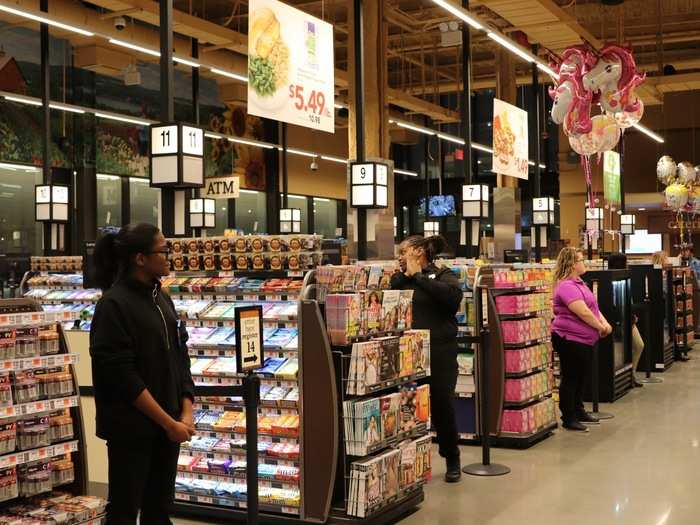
(301, 202)
(144, 201)
(325, 217)
(109, 201)
(19, 232)
(251, 212)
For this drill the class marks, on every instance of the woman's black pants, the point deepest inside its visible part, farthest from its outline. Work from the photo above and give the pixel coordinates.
(443, 382)
(574, 364)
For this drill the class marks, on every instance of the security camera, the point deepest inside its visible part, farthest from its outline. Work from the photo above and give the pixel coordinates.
(314, 165)
(119, 23)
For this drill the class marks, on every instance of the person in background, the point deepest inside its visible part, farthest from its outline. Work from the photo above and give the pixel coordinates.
(577, 327)
(436, 300)
(688, 255)
(141, 374)
(660, 259)
(637, 349)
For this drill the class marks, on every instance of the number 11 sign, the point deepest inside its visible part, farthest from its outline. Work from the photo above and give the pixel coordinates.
(176, 156)
(249, 338)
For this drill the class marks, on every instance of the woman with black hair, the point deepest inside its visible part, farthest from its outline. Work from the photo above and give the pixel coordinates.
(436, 300)
(141, 374)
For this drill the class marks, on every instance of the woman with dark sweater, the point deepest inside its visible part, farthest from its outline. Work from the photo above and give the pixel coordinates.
(141, 374)
(436, 300)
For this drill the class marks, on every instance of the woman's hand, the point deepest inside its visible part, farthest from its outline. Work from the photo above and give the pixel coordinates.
(605, 329)
(179, 432)
(413, 267)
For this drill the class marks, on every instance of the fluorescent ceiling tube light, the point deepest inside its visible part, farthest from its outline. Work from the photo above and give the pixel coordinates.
(338, 106)
(251, 192)
(406, 172)
(460, 13)
(122, 119)
(135, 47)
(548, 70)
(321, 199)
(425, 131)
(334, 159)
(645, 130)
(511, 46)
(299, 152)
(481, 147)
(214, 136)
(228, 74)
(185, 62)
(11, 166)
(23, 100)
(451, 138)
(250, 143)
(45, 20)
(63, 107)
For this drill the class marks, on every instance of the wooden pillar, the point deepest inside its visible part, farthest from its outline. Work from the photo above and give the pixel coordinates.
(380, 223)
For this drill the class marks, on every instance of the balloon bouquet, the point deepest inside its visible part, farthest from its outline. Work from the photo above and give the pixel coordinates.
(586, 80)
(682, 191)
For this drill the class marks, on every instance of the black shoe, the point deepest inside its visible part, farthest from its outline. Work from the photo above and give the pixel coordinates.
(637, 384)
(587, 417)
(575, 425)
(454, 470)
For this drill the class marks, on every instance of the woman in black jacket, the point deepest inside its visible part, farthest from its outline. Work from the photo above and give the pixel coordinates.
(436, 300)
(141, 374)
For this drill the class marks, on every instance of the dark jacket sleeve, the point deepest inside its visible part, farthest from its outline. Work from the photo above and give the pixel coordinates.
(187, 385)
(444, 289)
(398, 281)
(112, 353)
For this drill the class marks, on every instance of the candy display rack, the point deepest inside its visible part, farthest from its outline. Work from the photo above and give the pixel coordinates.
(43, 438)
(683, 324)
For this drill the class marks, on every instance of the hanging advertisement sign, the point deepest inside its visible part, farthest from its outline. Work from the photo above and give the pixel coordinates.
(611, 177)
(290, 66)
(510, 146)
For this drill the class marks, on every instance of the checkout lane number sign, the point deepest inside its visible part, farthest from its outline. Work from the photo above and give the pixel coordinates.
(249, 338)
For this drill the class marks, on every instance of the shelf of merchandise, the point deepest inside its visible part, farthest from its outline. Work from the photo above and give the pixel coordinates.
(17, 313)
(408, 497)
(315, 406)
(682, 277)
(537, 281)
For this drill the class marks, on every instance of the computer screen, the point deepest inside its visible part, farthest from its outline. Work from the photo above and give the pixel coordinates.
(439, 205)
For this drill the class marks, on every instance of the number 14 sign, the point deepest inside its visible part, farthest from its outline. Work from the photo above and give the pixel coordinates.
(176, 156)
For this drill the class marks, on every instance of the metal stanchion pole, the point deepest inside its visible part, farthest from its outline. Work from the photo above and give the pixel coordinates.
(251, 385)
(647, 348)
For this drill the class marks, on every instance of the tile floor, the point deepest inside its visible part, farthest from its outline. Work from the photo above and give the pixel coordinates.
(640, 468)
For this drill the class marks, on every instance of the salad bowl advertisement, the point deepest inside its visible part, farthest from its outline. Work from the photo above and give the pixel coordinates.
(290, 66)
(510, 146)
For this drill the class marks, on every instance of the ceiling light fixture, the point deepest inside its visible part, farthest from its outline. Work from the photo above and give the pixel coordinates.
(334, 159)
(250, 143)
(122, 119)
(413, 127)
(451, 138)
(186, 62)
(481, 147)
(45, 20)
(299, 152)
(649, 133)
(511, 46)
(460, 13)
(406, 172)
(64, 107)
(228, 74)
(23, 100)
(548, 70)
(134, 47)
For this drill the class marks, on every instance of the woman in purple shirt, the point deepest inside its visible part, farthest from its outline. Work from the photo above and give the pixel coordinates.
(577, 326)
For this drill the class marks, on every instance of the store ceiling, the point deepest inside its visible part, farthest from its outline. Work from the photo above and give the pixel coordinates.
(421, 61)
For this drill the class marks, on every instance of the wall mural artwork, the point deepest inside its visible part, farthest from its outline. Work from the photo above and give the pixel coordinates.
(228, 158)
(122, 150)
(20, 137)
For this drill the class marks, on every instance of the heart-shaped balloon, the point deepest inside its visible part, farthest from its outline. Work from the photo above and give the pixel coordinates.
(676, 196)
(666, 170)
(686, 172)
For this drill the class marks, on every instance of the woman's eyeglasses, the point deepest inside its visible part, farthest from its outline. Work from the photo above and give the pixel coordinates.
(164, 251)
